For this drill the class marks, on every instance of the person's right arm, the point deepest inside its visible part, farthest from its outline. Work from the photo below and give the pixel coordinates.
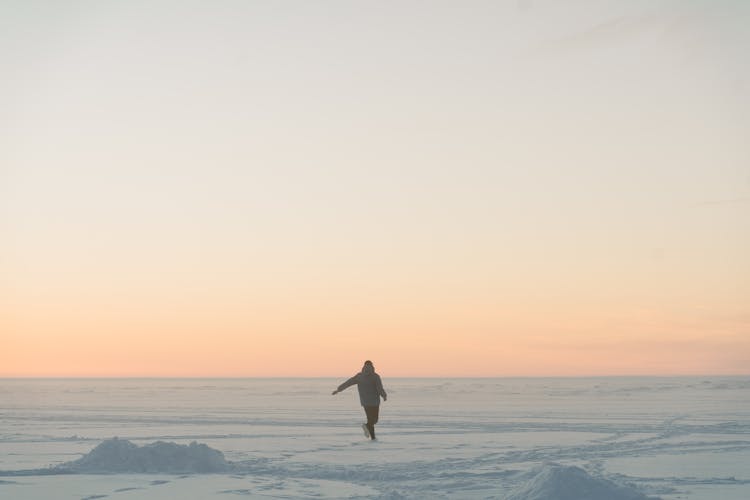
(379, 387)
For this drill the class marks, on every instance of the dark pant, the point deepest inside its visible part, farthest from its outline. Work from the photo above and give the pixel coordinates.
(372, 413)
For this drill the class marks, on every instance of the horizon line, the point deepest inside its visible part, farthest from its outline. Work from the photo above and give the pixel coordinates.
(277, 377)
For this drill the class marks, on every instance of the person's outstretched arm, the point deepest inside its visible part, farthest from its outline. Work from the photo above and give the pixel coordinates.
(346, 384)
(381, 391)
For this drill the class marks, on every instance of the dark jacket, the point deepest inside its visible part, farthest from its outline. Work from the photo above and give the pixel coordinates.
(370, 386)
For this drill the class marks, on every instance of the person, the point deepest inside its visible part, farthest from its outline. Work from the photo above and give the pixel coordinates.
(370, 391)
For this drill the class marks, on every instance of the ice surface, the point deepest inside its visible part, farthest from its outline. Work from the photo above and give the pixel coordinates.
(678, 438)
(560, 482)
(118, 455)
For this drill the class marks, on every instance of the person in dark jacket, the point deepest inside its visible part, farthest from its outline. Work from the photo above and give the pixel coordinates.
(370, 390)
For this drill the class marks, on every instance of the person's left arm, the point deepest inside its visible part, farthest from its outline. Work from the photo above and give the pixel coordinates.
(346, 384)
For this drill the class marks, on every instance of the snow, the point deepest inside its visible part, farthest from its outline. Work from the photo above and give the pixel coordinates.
(560, 482)
(514, 439)
(117, 455)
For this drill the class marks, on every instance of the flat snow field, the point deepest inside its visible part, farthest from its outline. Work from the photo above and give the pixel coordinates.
(506, 438)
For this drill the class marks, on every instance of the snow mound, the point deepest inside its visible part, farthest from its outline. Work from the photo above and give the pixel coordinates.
(560, 482)
(119, 455)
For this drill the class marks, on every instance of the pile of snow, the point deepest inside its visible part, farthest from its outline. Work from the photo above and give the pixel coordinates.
(560, 482)
(119, 455)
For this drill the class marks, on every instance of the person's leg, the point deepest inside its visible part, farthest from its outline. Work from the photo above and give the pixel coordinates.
(372, 413)
(366, 426)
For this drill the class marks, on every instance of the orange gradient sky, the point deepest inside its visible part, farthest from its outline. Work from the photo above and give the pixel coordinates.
(449, 189)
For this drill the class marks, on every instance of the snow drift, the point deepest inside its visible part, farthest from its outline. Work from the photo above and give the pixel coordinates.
(560, 482)
(119, 455)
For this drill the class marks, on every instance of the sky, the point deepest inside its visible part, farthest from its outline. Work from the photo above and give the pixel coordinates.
(288, 188)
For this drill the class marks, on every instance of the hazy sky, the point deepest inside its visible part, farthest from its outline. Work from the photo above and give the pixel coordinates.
(242, 188)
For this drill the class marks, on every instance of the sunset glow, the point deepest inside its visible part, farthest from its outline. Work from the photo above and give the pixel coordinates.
(482, 189)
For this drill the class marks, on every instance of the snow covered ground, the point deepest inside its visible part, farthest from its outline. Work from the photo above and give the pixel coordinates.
(515, 439)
